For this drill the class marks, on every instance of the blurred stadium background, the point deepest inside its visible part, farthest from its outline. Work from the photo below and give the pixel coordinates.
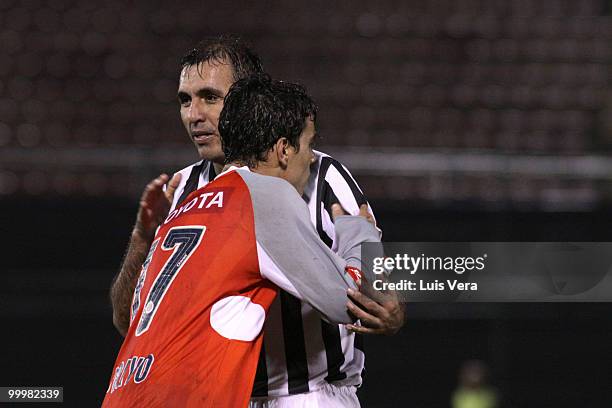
(461, 119)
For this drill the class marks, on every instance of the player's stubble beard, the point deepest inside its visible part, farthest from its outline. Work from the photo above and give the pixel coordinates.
(211, 151)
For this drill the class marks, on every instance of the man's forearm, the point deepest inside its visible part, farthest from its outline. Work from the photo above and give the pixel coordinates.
(122, 289)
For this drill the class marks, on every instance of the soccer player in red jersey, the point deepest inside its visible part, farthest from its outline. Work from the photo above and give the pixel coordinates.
(215, 263)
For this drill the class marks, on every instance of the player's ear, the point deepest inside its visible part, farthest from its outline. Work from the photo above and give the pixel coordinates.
(282, 151)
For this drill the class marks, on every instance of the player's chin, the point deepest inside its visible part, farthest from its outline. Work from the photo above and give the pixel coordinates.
(210, 152)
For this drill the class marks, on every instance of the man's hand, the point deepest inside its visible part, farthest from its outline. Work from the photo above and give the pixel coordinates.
(385, 316)
(154, 205)
(382, 316)
(364, 212)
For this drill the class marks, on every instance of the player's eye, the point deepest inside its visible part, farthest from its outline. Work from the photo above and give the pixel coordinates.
(184, 100)
(211, 98)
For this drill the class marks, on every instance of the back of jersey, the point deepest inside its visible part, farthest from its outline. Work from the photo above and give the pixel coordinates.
(198, 308)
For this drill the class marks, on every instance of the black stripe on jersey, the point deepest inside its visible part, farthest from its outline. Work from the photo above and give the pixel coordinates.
(321, 191)
(333, 351)
(260, 386)
(331, 333)
(359, 343)
(295, 349)
(211, 172)
(328, 198)
(192, 182)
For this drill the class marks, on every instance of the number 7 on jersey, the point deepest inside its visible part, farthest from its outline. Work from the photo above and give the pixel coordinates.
(183, 241)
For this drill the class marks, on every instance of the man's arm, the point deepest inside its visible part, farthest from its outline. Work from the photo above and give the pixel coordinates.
(384, 314)
(289, 249)
(154, 207)
(287, 259)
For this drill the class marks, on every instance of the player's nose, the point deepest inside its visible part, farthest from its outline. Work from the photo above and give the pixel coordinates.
(196, 112)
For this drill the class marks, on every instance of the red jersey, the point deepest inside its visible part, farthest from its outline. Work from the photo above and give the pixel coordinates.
(206, 286)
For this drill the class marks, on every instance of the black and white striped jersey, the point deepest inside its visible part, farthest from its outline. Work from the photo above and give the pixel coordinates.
(301, 352)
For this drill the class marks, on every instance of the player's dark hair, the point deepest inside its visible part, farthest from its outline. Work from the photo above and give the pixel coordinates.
(224, 49)
(257, 112)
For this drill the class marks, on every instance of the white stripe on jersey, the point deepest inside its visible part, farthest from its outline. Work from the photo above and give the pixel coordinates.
(342, 191)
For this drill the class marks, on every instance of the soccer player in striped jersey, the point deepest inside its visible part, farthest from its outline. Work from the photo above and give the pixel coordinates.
(302, 354)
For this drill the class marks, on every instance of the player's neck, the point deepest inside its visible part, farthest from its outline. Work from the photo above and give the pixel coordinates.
(262, 167)
(267, 169)
(218, 167)
(234, 164)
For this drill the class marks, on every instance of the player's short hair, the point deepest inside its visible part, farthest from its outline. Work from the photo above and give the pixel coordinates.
(223, 50)
(257, 112)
